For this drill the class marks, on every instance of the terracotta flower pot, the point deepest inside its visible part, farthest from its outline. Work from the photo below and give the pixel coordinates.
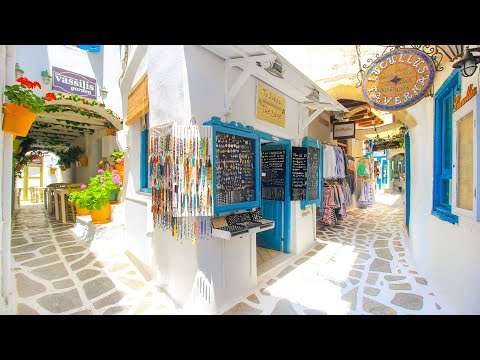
(114, 196)
(62, 167)
(101, 216)
(119, 167)
(110, 131)
(17, 119)
(83, 160)
(52, 171)
(19, 167)
(81, 212)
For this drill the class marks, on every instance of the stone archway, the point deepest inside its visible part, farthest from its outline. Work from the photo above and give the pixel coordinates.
(353, 93)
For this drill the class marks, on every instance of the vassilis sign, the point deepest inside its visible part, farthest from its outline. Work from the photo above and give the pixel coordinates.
(72, 83)
(398, 79)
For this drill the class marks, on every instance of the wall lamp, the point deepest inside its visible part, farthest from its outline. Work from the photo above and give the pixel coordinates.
(275, 69)
(103, 92)
(468, 64)
(46, 77)
(18, 72)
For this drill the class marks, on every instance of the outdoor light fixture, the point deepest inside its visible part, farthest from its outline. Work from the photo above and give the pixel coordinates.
(275, 69)
(103, 92)
(468, 64)
(18, 72)
(46, 77)
(314, 96)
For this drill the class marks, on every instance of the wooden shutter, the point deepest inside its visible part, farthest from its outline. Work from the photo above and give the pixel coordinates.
(137, 101)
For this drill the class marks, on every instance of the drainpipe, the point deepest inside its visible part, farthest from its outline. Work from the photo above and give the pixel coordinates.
(7, 62)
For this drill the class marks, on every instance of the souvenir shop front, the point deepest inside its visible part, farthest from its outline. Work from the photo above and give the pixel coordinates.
(223, 191)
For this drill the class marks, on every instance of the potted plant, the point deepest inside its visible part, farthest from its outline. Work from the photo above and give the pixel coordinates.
(96, 197)
(75, 198)
(23, 108)
(117, 157)
(109, 128)
(63, 160)
(117, 180)
(74, 153)
(53, 169)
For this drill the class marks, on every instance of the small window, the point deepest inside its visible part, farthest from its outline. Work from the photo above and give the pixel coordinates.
(145, 172)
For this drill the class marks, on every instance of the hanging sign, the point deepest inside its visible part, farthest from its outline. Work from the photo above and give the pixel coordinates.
(459, 102)
(72, 83)
(398, 80)
(270, 106)
(344, 130)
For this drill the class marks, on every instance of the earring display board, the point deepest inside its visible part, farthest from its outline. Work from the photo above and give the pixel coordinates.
(312, 173)
(299, 173)
(235, 169)
(181, 168)
(273, 168)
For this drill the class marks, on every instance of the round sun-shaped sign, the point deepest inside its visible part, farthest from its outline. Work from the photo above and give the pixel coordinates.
(398, 80)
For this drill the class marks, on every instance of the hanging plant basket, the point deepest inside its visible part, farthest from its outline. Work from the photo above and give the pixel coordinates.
(83, 160)
(52, 171)
(110, 131)
(67, 166)
(19, 167)
(62, 167)
(17, 119)
(101, 216)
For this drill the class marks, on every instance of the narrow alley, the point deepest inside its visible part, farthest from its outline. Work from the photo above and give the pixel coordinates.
(361, 266)
(56, 273)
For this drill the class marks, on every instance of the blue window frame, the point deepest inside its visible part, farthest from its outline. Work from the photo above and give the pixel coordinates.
(442, 148)
(145, 178)
(91, 48)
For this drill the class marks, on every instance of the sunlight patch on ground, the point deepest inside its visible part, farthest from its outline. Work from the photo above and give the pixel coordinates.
(317, 285)
(387, 199)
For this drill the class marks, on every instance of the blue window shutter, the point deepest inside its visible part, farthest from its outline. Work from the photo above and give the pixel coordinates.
(144, 183)
(91, 48)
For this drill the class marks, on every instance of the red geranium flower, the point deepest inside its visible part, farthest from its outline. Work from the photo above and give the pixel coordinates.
(50, 96)
(36, 83)
(25, 82)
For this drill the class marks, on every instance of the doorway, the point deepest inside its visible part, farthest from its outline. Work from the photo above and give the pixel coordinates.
(32, 177)
(275, 199)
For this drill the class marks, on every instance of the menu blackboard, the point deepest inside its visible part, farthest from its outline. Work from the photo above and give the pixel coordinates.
(273, 175)
(299, 173)
(312, 173)
(235, 169)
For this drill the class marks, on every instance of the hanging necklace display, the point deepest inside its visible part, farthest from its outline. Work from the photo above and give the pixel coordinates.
(180, 164)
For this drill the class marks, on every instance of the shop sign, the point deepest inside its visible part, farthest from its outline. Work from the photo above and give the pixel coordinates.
(270, 106)
(398, 80)
(344, 130)
(459, 102)
(72, 83)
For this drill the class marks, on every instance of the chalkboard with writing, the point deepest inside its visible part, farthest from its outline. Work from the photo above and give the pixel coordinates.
(312, 173)
(299, 173)
(273, 175)
(235, 169)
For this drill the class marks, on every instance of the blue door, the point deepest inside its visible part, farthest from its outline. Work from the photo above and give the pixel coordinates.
(384, 171)
(272, 210)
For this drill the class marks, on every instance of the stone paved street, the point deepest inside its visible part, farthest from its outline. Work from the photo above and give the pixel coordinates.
(360, 266)
(57, 273)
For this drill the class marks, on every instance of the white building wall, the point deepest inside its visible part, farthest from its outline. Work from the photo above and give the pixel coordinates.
(446, 253)
(184, 83)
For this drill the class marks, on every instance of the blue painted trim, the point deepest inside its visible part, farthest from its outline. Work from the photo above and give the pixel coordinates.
(239, 131)
(448, 89)
(91, 48)
(144, 160)
(307, 141)
(407, 181)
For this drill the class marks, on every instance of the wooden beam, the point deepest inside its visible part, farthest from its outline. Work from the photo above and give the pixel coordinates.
(72, 117)
(55, 122)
